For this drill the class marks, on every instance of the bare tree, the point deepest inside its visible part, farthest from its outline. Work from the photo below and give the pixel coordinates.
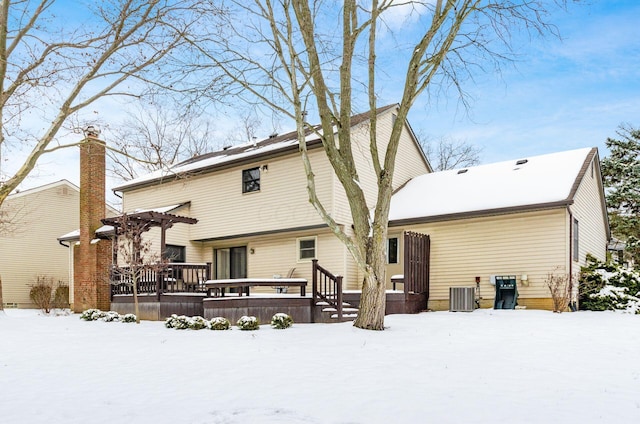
(156, 138)
(326, 58)
(54, 69)
(134, 256)
(447, 153)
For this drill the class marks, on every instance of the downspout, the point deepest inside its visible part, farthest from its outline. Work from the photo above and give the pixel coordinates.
(572, 302)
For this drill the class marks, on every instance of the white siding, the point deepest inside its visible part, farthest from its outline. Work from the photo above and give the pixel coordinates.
(532, 243)
(32, 249)
(588, 210)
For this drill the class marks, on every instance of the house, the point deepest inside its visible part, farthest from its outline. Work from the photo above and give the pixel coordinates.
(251, 202)
(509, 224)
(519, 220)
(28, 243)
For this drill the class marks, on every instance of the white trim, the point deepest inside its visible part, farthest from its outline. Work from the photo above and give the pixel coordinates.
(42, 188)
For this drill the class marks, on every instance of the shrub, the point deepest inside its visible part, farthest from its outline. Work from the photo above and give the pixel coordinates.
(41, 293)
(219, 323)
(560, 288)
(110, 316)
(248, 323)
(61, 297)
(91, 314)
(609, 287)
(183, 322)
(198, 323)
(178, 322)
(281, 321)
(128, 318)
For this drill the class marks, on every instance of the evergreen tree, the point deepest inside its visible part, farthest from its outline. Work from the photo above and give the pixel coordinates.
(621, 172)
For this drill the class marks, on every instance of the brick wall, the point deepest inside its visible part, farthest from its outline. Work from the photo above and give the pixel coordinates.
(91, 289)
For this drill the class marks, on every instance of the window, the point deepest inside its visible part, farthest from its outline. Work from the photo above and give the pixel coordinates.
(576, 241)
(306, 249)
(392, 250)
(251, 180)
(173, 253)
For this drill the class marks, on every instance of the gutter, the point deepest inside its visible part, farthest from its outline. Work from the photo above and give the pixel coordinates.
(481, 213)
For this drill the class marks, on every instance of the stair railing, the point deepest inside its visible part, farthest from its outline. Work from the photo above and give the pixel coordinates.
(327, 287)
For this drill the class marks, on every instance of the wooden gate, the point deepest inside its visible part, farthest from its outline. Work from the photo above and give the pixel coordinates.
(416, 264)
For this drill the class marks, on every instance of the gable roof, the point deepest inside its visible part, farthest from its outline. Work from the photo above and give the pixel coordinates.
(269, 147)
(537, 182)
(48, 186)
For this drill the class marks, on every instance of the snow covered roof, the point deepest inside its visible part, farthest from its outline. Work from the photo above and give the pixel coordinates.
(74, 235)
(276, 144)
(536, 182)
(107, 230)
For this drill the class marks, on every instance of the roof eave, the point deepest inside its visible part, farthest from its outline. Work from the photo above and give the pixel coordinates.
(313, 144)
(481, 213)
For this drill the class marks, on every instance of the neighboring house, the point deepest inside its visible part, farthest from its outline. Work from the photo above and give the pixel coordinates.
(28, 242)
(251, 202)
(523, 218)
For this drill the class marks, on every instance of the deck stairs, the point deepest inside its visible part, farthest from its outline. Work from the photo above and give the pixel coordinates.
(328, 313)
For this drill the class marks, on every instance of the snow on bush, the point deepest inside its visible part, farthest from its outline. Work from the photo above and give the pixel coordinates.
(281, 321)
(128, 318)
(198, 323)
(608, 286)
(178, 322)
(219, 323)
(109, 316)
(248, 323)
(183, 322)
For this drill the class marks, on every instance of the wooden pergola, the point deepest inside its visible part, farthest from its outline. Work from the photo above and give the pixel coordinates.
(140, 222)
(133, 225)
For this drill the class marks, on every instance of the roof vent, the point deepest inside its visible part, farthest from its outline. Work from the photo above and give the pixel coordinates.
(273, 135)
(226, 147)
(462, 171)
(522, 161)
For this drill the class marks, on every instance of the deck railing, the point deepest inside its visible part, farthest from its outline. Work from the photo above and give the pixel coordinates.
(173, 277)
(327, 287)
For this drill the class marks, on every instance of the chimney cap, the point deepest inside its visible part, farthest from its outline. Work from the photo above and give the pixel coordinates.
(91, 131)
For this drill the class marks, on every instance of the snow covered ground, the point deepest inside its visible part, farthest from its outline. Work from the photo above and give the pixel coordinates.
(487, 366)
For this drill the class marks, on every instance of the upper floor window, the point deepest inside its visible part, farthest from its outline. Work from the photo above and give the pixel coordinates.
(251, 180)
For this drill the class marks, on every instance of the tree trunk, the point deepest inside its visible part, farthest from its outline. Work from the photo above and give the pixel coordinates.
(372, 304)
(136, 307)
(373, 299)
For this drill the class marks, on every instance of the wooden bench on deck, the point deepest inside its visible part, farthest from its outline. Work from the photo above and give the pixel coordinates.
(216, 288)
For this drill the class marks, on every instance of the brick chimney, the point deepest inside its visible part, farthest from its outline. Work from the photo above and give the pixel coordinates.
(91, 288)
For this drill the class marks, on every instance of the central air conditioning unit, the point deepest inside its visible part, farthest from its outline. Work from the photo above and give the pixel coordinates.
(462, 299)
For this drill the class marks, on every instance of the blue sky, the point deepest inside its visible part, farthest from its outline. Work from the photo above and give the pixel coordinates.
(559, 95)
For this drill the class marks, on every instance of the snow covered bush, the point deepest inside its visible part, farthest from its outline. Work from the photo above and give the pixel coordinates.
(281, 321)
(608, 286)
(179, 322)
(91, 314)
(248, 323)
(183, 322)
(110, 316)
(198, 323)
(219, 323)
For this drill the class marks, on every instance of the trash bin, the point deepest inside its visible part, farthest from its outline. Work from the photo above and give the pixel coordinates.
(506, 292)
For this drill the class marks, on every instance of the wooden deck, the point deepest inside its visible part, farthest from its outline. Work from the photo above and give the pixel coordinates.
(185, 289)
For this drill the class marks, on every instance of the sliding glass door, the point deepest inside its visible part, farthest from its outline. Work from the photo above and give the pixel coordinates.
(231, 262)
